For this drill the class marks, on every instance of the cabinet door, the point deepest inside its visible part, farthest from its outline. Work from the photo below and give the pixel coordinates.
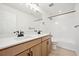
(44, 48)
(25, 53)
(49, 45)
(36, 50)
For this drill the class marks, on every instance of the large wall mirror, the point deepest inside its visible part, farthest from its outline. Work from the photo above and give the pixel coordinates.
(13, 17)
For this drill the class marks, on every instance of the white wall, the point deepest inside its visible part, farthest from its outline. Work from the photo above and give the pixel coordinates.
(77, 29)
(12, 19)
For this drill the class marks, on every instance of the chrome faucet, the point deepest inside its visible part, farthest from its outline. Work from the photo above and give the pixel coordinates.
(19, 33)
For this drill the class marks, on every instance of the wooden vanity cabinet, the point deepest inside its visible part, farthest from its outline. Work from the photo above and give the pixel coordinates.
(34, 50)
(37, 47)
(17, 49)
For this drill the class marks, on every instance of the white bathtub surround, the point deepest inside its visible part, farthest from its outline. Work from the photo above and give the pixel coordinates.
(67, 45)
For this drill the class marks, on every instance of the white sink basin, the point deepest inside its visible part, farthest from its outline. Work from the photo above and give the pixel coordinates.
(23, 37)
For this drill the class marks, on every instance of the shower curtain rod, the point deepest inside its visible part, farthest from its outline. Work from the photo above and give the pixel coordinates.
(63, 13)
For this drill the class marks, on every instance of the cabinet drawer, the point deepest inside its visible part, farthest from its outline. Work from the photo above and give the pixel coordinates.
(45, 37)
(19, 48)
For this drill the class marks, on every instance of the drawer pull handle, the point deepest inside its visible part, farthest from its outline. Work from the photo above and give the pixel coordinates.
(28, 54)
(31, 53)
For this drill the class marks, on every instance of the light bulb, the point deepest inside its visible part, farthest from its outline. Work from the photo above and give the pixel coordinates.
(56, 22)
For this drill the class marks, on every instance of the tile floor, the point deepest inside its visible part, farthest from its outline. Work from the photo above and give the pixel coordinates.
(62, 52)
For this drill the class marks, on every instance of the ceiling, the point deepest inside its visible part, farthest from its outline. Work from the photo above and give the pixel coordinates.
(22, 7)
(55, 8)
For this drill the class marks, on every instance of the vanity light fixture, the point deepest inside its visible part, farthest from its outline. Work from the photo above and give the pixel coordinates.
(32, 6)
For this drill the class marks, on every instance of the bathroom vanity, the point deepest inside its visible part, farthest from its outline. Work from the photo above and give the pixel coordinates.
(39, 45)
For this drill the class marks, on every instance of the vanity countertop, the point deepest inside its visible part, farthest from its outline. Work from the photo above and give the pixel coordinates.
(11, 41)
